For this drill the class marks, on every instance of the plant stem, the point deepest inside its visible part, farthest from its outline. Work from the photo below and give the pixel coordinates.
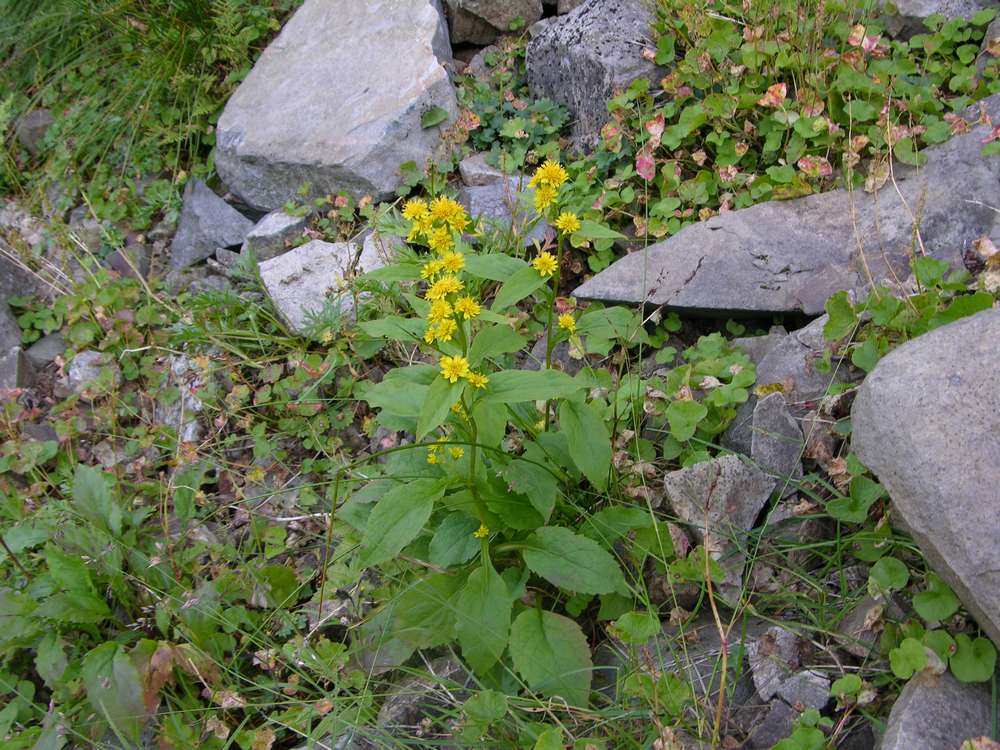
(549, 337)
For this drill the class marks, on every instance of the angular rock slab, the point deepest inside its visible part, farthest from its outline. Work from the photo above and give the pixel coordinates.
(482, 21)
(720, 500)
(937, 712)
(908, 16)
(501, 204)
(336, 101)
(268, 236)
(790, 256)
(776, 441)
(308, 278)
(927, 422)
(207, 222)
(580, 59)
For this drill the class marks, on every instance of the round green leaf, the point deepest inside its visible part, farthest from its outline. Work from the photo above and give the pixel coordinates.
(890, 574)
(684, 417)
(551, 653)
(973, 660)
(937, 602)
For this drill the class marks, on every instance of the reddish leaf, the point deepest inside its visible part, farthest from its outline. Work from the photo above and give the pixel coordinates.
(645, 165)
(775, 96)
(655, 129)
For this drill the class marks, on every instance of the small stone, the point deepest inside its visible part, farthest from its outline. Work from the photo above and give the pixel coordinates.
(482, 21)
(561, 358)
(180, 410)
(937, 712)
(720, 501)
(10, 331)
(46, 349)
(503, 205)
(89, 370)
(773, 658)
(31, 128)
(270, 235)
(905, 18)
(565, 6)
(227, 259)
(131, 262)
(776, 725)
(424, 698)
(476, 172)
(15, 371)
(206, 222)
(807, 689)
(861, 626)
(776, 442)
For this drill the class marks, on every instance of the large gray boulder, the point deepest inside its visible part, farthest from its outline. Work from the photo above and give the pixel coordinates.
(790, 256)
(927, 422)
(581, 58)
(336, 101)
(905, 18)
(937, 712)
(207, 222)
(482, 21)
(310, 280)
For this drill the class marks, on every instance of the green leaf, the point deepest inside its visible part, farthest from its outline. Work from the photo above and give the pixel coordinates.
(402, 391)
(908, 658)
(588, 439)
(864, 492)
(595, 230)
(937, 603)
(928, 270)
(684, 417)
(397, 518)
(513, 386)
(608, 524)
(905, 151)
(493, 341)
(483, 613)
(636, 627)
(92, 497)
(860, 110)
(441, 396)
(550, 739)
(486, 706)
(973, 660)
(74, 606)
(494, 266)
(849, 684)
(68, 571)
(866, 356)
(551, 653)
(433, 116)
(941, 643)
(424, 615)
(535, 482)
(51, 661)
(517, 287)
(512, 127)
(962, 307)
(572, 562)
(890, 574)
(453, 542)
(843, 319)
(114, 689)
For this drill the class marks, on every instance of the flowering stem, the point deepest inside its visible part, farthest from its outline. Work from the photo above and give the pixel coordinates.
(550, 343)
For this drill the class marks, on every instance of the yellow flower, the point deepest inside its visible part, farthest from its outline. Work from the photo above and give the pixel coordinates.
(431, 269)
(567, 323)
(440, 309)
(568, 222)
(440, 240)
(456, 452)
(477, 380)
(545, 196)
(443, 287)
(457, 408)
(482, 532)
(415, 209)
(545, 264)
(453, 368)
(453, 262)
(446, 329)
(443, 208)
(550, 173)
(467, 307)
(432, 457)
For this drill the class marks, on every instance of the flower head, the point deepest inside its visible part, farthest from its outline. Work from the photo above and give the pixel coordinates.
(568, 222)
(545, 196)
(551, 173)
(453, 368)
(453, 262)
(431, 268)
(440, 310)
(443, 287)
(456, 452)
(415, 209)
(477, 379)
(545, 264)
(482, 532)
(440, 240)
(467, 307)
(567, 322)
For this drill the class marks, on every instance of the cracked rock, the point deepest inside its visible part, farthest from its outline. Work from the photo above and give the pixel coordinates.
(268, 236)
(206, 222)
(776, 442)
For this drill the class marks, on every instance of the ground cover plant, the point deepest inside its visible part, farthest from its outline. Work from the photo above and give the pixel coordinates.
(360, 504)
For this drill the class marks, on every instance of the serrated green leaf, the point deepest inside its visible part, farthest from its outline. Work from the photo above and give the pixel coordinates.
(843, 320)
(572, 562)
(551, 653)
(453, 542)
(424, 615)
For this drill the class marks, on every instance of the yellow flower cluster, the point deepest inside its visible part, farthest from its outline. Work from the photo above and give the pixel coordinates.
(568, 323)
(568, 222)
(545, 182)
(435, 224)
(433, 457)
(545, 264)
(455, 368)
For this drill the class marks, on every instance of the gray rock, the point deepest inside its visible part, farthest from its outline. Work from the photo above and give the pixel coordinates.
(46, 349)
(15, 371)
(478, 68)
(905, 18)
(937, 712)
(269, 235)
(758, 347)
(89, 370)
(316, 276)
(790, 256)
(773, 657)
(561, 358)
(776, 725)
(10, 331)
(807, 689)
(31, 128)
(565, 6)
(482, 21)
(927, 423)
(581, 58)
(505, 205)
(336, 101)
(180, 412)
(991, 41)
(776, 442)
(424, 698)
(860, 628)
(476, 172)
(131, 261)
(720, 500)
(206, 222)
